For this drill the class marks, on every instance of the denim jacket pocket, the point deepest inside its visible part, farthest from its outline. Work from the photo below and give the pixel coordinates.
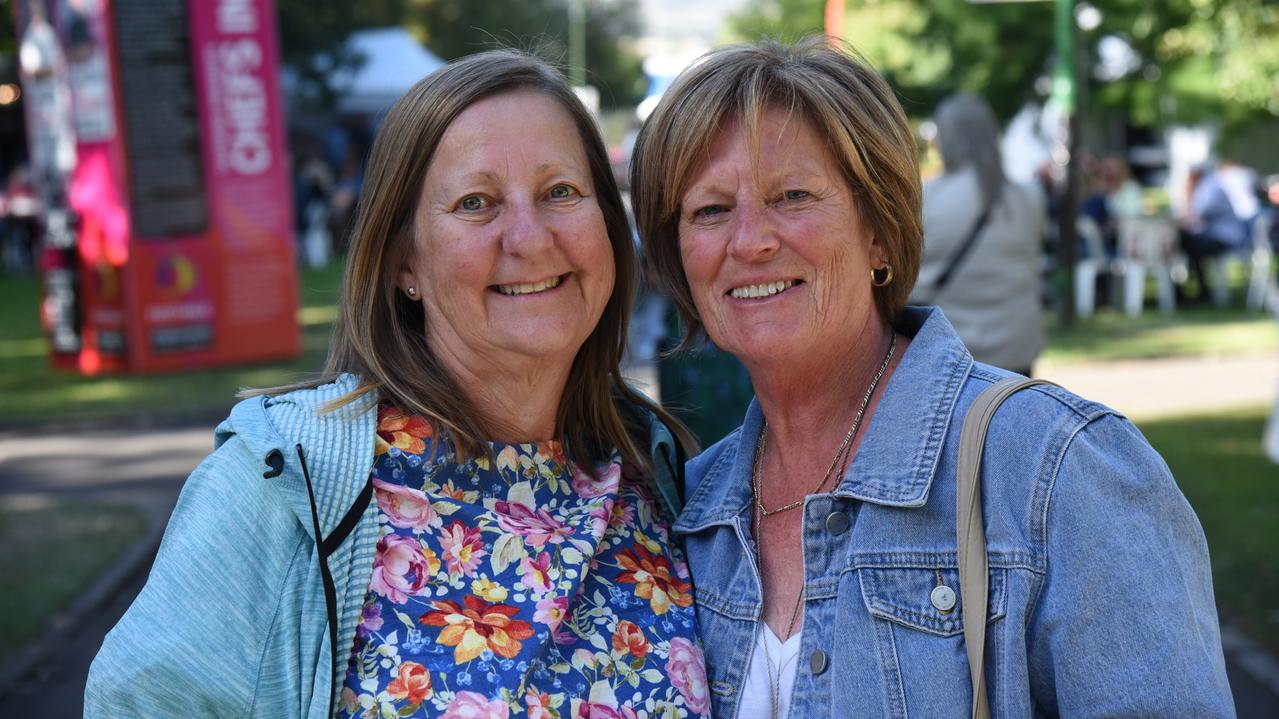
(926, 599)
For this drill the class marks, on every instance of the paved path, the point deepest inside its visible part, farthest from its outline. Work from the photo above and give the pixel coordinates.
(1143, 389)
(145, 468)
(139, 467)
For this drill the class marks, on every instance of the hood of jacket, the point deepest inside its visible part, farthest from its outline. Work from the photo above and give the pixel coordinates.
(299, 436)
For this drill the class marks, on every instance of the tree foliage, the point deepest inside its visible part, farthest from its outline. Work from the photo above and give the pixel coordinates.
(312, 35)
(1190, 60)
(453, 28)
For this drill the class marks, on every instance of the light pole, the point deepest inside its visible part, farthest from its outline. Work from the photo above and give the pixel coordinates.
(577, 42)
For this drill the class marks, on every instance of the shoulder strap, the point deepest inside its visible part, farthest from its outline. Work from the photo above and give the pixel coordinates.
(957, 259)
(971, 534)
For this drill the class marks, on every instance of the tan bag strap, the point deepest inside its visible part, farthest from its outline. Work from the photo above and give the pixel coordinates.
(971, 534)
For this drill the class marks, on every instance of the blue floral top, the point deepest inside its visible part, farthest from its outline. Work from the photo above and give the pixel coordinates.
(520, 588)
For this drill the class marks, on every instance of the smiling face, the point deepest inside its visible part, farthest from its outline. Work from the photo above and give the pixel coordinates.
(776, 255)
(511, 257)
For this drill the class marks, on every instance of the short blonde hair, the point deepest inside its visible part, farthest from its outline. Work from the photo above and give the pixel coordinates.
(833, 88)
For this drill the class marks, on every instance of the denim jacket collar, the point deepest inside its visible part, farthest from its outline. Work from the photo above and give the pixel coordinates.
(900, 451)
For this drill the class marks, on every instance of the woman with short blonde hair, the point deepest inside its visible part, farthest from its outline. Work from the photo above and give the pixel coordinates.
(777, 194)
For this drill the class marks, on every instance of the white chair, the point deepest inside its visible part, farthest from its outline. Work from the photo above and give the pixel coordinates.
(1088, 268)
(1148, 245)
(1256, 259)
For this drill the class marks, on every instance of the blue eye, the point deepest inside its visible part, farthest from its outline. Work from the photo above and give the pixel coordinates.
(710, 211)
(472, 203)
(562, 192)
(796, 195)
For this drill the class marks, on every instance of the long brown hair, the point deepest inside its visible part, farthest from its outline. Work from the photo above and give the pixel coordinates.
(826, 83)
(379, 334)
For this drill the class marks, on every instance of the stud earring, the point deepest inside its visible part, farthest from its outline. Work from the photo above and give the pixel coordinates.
(412, 293)
(879, 280)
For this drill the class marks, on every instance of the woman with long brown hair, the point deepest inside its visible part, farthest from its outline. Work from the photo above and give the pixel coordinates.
(469, 515)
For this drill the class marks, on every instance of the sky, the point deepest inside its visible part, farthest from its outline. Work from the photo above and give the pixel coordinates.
(678, 27)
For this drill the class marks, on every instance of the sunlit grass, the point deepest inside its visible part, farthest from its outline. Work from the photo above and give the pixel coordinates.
(31, 391)
(1196, 331)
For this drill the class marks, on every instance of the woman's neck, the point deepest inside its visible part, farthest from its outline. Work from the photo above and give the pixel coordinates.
(518, 399)
(810, 407)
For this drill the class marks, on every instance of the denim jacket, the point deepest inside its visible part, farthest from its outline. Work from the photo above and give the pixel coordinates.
(253, 601)
(1101, 599)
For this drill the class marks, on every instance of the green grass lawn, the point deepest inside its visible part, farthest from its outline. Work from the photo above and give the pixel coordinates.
(1234, 489)
(1193, 331)
(31, 391)
(51, 554)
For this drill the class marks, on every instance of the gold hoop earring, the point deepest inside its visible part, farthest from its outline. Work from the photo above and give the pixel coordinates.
(877, 280)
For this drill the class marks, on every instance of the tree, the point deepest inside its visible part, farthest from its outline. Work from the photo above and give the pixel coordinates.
(313, 35)
(1191, 60)
(453, 28)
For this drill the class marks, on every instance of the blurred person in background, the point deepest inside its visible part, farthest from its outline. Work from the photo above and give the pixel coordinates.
(1096, 206)
(469, 515)
(313, 185)
(983, 240)
(1215, 218)
(777, 193)
(19, 209)
(1272, 209)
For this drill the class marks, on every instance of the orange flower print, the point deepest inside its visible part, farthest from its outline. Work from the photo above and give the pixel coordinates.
(628, 637)
(413, 684)
(402, 431)
(651, 575)
(551, 451)
(478, 626)
(539, 705)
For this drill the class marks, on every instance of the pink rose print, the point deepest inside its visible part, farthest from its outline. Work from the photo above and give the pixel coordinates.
(601, 704)
(598, 517)
(536, 573)
(401, 568)
(591, 488)
(405, 507)
(551, 611)
(472, 705)
(593, 710)
(463, 548)
(536, 527)
(623, 514)
(687, 670)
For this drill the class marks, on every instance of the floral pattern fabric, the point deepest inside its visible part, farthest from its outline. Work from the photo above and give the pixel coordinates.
(521, 587)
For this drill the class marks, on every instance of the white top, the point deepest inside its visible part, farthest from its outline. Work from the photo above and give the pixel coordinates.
(992, 300)
(769, 654)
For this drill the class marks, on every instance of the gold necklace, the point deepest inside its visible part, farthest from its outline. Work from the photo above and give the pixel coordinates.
(841, 456)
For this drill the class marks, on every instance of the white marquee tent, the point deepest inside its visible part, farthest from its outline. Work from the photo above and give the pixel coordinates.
(392, 61)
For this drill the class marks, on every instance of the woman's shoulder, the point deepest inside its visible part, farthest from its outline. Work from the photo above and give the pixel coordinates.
(710, 460)
(1036, 403)
(300, 413)
(1048, 432)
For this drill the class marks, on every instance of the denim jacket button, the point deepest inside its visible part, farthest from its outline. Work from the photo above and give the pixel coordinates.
(943, 597)
(837, 523)
(818, 662)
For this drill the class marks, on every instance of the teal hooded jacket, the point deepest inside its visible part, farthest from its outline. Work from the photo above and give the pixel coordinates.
(252, 603)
